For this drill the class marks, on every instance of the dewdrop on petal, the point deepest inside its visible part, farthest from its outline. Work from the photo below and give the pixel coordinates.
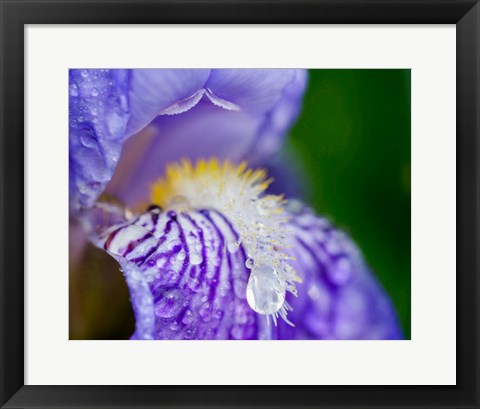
(257, 219)
(265, 293)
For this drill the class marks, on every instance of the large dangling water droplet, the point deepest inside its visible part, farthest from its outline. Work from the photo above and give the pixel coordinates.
(265, 293)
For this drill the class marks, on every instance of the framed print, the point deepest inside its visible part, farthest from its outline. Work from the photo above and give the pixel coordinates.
(240, 205)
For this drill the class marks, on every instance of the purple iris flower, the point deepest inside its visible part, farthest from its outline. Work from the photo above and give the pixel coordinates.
(207, 250)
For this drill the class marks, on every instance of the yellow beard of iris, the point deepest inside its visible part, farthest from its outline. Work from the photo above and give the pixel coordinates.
(239, 194)
(208, 181)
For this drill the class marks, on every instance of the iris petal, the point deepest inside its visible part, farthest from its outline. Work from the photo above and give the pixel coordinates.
(340, 298)
(185, 278)
(98, 110)
(248, 114)
(279, 120)
(162, 91)
(254, 90)
(188, 280)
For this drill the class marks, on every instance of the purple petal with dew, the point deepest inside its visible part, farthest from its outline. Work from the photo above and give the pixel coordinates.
(247, 113)
(203, 132)
(98, 115)
(186, 279)
(339, 298)
(156, 92)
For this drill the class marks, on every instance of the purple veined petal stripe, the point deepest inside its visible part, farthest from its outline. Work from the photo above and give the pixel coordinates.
(192, 278)
(339, 298)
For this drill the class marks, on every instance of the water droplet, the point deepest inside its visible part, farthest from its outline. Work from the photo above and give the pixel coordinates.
(94, 92)
(170, 304)
(115, 123)
(174, 326)
(172, 275)
(194, 285)
(84, 73)
(249, 263)
(195, 259)
(188, 317)
(341, 271)
(150, 278)
(151, 262)
(74, 90)
(88, 141)
(205, 312)
(95, 186)
(182, 255)
(123, 101)
(265, 292)
(189, 333)
(237, 332)
(82, 187)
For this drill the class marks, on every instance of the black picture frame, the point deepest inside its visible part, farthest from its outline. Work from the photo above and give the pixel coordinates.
(15, 14)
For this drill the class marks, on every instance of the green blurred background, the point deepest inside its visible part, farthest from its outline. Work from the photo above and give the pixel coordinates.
(353, 140)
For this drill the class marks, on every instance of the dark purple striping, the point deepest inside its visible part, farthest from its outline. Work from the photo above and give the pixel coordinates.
(110, 238)
(207, 294)
(155, 216)
(234, 232)
(221, 252)
(321, 267)
(142, 259)
(203, 264)
(131, 246)
(243, 254)
(181, 236)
